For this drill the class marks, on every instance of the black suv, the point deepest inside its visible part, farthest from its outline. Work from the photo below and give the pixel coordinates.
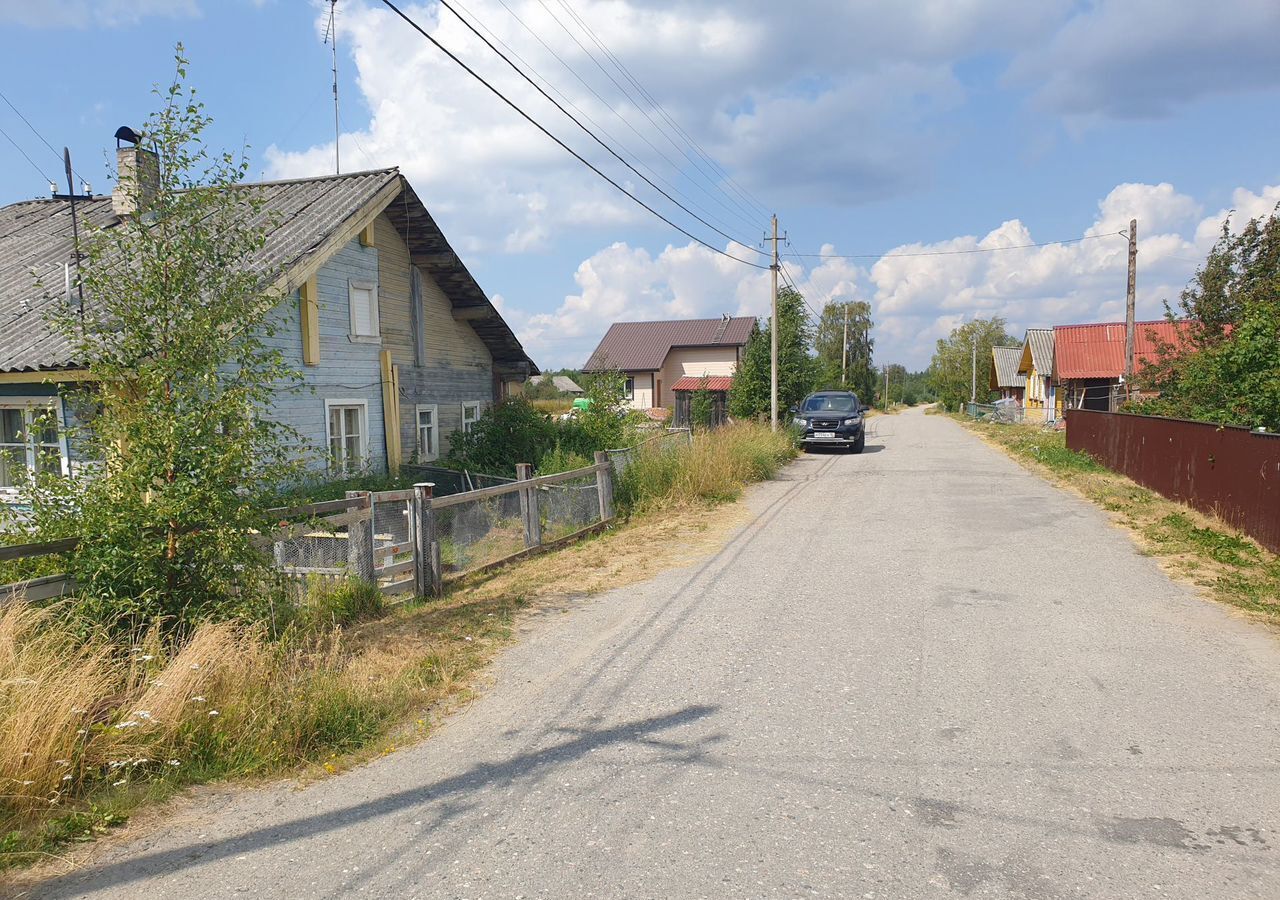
(833, 418)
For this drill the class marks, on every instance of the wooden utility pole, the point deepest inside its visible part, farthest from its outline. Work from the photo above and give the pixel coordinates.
(973, 375)
(886, 388)
(1130, 328)
(773, 335)
(844, 357)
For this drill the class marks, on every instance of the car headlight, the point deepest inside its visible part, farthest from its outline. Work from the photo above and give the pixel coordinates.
(800, 423)
(854, 421)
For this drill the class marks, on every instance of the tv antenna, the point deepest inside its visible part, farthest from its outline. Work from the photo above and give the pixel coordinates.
(331, 38)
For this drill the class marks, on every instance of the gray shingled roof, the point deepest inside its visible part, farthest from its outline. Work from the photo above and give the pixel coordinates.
(1004, 363)
(1041, 342)
(36, 242)
(563, 383)
(643, 346)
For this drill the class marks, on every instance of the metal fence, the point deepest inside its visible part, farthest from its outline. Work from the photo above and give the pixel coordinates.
(1229, 472)
(452, 481)
(668, 439)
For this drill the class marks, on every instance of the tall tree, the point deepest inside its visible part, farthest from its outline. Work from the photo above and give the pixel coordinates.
(1232, 374)
(176, 333)
(951, 370)
(829, 342)
(797, 368)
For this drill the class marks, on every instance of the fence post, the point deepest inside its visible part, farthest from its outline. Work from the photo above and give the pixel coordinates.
(604, 485)
(360, 539)
(529, 514)
(426, 552)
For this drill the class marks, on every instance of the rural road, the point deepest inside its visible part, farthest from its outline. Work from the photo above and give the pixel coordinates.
(920, 672)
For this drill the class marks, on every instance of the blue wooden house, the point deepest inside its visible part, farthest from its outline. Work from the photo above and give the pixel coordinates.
(397, 344)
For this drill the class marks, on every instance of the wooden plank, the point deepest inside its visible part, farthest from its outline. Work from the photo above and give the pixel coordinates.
(393, 496)
(404, 586)
(560, 477)
(318, 509)
(392, 549)
(48, 548)
(395, 568)
(317, 528)
(45, 587)
(481, 494)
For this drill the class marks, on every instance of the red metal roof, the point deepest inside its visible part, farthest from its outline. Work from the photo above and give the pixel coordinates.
(643, 346)
(694, 383)
(1097, 351)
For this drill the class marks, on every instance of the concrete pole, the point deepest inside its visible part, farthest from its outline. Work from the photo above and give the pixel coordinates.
(773, 335)
(1130, 328)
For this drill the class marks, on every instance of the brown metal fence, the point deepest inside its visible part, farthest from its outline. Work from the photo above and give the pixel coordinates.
(1225, 471)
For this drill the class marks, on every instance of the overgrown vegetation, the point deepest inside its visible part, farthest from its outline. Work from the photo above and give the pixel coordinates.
(952, 372)
(1232, 373)
(1231, 567)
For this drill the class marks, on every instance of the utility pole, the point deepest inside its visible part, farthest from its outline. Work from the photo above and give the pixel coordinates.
(773, 334)
(844, 357)
(973, 375)
(1130, 328)
(886, 388)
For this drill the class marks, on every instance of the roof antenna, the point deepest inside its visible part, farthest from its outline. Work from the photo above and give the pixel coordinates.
(331, 37)
(72, 196)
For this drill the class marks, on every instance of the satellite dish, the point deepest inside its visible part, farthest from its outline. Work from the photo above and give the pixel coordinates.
(125, 133)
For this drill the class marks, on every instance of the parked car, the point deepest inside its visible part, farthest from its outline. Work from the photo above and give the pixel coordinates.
(833, 419)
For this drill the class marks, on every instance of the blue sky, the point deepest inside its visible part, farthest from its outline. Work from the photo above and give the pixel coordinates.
(868, 127)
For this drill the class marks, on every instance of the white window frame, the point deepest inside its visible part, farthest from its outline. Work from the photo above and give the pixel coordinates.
(478, 406)
(418, 410)
(343, 467)
(31, 405)
(373, 336)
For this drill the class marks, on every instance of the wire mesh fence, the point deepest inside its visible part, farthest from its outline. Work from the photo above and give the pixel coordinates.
(669, 439)
(568, 507)
(479, 532)
(450, 481)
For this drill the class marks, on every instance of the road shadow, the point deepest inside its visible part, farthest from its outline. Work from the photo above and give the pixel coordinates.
(448, 791)
(819, 450)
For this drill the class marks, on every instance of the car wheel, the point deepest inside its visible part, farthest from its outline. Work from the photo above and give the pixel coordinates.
(862, 442)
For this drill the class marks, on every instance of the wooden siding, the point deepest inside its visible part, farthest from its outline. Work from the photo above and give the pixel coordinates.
(346, 370)
(643, 397)
(457, 366)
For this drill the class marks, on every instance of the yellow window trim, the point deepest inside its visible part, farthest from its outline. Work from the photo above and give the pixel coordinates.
(309, 315)
(50, 377)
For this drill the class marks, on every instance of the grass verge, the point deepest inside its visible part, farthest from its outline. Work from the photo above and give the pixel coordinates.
(1228, 566)
(92, 731)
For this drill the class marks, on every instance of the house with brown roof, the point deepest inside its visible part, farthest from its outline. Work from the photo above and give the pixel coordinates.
(1089, 360)
(662, 361)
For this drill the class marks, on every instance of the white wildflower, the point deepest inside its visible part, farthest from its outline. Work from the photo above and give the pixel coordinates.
(25, 783)
(82, 731)
(120, 782)
(129, 724)
(66, 777)
(213, 712)
(197, 700)
(195, 666)
(62, 762)
(143, 714)
(79, 712)
(174, 762)
(146, 657)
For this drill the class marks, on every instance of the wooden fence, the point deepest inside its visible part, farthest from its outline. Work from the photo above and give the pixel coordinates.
(371, 545)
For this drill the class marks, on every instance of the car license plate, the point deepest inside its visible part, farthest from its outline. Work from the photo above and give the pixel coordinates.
(824, 434)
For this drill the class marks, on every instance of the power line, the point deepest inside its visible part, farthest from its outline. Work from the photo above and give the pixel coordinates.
(27, 122)
(658, 107)
(890, 255)
(585, 129)
(641, 108)
(472, 72)
(17, 147)
(568, 100)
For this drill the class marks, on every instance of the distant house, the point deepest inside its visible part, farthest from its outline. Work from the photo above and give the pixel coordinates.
(665, 362)
(1036, 365)
(1089, 360)
(562, 383)
(397, 345)
(1004, 373)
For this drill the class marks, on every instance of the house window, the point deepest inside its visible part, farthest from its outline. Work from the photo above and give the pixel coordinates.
(347, 426)
(363, 297)
(470, 415)
(428, 433)
(29, 441)
(629, 389)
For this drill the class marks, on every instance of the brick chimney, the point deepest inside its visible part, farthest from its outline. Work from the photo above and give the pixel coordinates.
(137, 181)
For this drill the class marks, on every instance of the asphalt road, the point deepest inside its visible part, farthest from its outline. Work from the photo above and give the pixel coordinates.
(920, 672)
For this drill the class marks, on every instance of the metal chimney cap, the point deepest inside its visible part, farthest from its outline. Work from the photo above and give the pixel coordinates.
(125, 133)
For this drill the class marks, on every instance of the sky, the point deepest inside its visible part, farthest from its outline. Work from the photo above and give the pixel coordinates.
(884, 135)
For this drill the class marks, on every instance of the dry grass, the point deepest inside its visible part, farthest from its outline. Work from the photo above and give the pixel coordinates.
(1223, 563)
(553, 406)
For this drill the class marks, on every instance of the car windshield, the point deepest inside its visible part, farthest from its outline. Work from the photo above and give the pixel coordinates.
(831, 403)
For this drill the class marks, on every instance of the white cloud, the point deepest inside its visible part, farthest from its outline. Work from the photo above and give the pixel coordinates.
(1144, 58)
(91, 13)
(915, 299)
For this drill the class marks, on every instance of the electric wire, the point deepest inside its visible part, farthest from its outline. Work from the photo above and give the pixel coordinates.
(52, 149)
(18, 147)
(623, 119)
(447, 5)
(661, 110)
(474, 74)
(639, 106)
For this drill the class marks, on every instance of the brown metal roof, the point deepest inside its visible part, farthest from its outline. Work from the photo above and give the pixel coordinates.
(35, 242)
(643, 346)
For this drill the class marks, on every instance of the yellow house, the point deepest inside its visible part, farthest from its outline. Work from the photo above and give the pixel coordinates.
(1036, 364)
